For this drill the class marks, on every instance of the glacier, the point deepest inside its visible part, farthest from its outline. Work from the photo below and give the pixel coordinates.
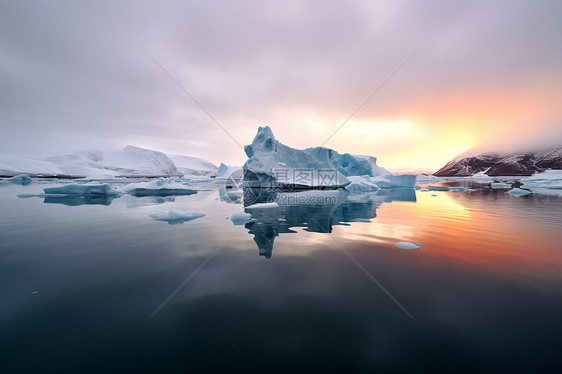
(194, 166)
(273, 164)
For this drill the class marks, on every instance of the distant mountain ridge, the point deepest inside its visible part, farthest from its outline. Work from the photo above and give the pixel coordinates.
(509, 164)
(130, 161)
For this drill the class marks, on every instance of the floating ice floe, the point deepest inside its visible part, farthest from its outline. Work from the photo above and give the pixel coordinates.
(20, 179)
(176, 216)
(498, 185)
(158, 187)
(240, 218)
(545, 183)
(408, 245)
(82, 189)
(262, 206)
(518, 192)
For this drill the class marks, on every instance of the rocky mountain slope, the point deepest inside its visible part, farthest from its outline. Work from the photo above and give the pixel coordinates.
(515, 163)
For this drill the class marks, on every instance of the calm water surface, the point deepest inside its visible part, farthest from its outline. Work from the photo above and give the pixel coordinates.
(98, 286)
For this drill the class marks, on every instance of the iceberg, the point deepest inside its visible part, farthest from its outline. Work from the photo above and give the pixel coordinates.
(101, 189)
(273, 164)
(240, 218)
(518, 192)
(176, 216)
(395, 181)
(225, 170)
(158, 187)
(408, 245)
(20, 179)
(361, 184)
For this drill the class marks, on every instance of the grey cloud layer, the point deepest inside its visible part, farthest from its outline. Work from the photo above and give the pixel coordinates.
(75, 74)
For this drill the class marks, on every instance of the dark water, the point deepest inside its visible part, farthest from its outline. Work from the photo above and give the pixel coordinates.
(97, 286)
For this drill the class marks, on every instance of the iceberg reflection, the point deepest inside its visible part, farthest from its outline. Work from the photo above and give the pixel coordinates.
(316, 211)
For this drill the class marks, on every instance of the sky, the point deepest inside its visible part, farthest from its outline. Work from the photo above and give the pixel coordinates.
(103, 74)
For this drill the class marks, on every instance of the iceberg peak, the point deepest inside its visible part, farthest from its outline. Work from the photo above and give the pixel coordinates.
(273, 164)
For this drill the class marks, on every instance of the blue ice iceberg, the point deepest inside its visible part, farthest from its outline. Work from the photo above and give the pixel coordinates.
(102, 189)
(20, 179)
(158, 187)
(273, 164)
(519, 192)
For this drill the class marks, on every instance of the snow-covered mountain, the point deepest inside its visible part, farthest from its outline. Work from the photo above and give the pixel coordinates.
(515, 163)
(130, 161)
(194, 166)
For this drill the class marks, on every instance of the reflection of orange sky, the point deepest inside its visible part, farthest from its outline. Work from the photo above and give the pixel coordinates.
(502, 241)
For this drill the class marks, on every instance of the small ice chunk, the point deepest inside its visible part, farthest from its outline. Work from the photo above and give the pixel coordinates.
(262, 206)
(82, 189)
(500, 185)
(240, 218)
(20, 179)
(518, 192)
(176, 216)
(408, 245)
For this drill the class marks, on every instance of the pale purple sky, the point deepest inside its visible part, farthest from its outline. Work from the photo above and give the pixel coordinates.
(78, 75)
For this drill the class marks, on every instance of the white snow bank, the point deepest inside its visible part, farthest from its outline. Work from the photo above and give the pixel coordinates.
(408, 245)
(176, 216)
(82, 189)
(545, 183)
(194, 166)
(130, 161)
(15, 166)
(158, 187)
(546, 175)
(240, 218)
(518, 192)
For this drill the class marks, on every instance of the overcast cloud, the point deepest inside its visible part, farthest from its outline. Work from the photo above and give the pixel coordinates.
(79, 75)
